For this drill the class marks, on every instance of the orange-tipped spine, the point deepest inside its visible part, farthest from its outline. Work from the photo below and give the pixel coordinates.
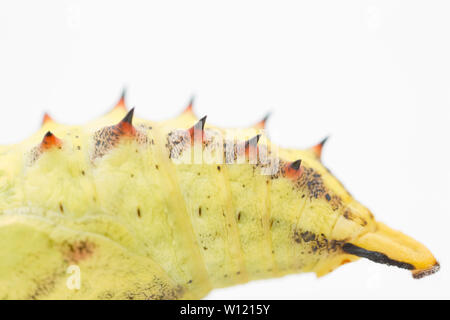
(196, 132)
(293, 170)
(317, 149)
(121, 104)
(125, 126)
(262, 124)
(50, 141)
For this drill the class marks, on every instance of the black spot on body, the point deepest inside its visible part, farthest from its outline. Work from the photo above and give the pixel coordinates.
(308, 236)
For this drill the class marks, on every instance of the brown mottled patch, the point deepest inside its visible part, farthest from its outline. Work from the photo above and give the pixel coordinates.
(33, 155)
(418, 274)
(79, 251)
(154, 290)
(44, 287)
(177, 142)
(350, 216)
(180, 141)
(311, 182)
(107, 138)
(317, 243)
(50, 141)
(335, 202)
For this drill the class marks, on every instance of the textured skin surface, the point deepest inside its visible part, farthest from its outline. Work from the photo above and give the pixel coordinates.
(115, 199)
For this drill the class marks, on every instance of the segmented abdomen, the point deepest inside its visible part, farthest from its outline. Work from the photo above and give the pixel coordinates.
(197, 208)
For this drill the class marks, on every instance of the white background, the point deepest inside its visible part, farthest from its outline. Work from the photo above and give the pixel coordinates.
(373, 74)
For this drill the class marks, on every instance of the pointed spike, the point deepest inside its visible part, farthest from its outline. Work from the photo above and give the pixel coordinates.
(125, 126)
(129, 117)
(121, 103)
(293, 170)
(198, 127)
(262, 124)
(252, 145)
(296, 164)
(317, 149)
(190, 106)
(47, 119)
(201, 123)
(252, 142)
(50, 140)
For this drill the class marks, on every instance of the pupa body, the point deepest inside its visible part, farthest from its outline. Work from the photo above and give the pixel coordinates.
(134, 209)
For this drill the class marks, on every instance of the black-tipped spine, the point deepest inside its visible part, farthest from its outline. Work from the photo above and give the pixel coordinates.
(296, 164)
(253, 141)
(129, 117)
(200, 125)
